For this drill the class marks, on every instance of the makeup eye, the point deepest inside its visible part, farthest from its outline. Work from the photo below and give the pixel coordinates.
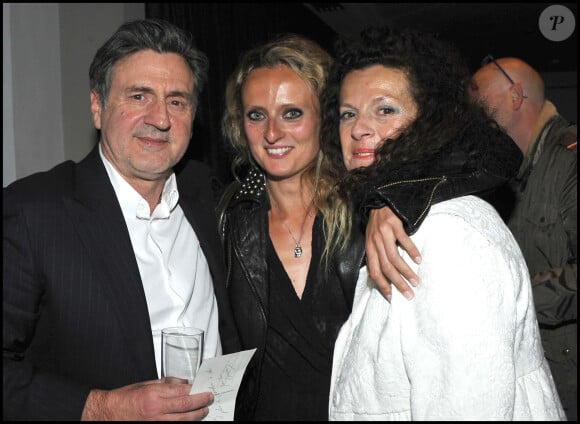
(254, 115)
(387, 110)
(346, 115)
(293, 114)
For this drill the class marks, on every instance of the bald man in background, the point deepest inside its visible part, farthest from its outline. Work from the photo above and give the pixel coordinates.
(541, 208)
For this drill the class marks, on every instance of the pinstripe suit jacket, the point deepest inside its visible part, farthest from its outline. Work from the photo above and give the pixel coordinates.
(75, 315)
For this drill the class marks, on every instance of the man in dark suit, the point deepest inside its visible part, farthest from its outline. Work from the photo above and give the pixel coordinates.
(100, 255)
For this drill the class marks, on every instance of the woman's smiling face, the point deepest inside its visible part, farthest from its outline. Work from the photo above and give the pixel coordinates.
(281, 121)
(375, 104)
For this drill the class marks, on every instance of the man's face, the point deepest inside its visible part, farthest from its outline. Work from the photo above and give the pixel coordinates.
(146, 123)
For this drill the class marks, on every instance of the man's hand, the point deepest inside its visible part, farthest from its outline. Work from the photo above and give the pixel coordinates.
(156, 400)
(385, 264)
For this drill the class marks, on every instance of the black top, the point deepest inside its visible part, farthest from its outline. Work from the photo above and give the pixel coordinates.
(295, 380)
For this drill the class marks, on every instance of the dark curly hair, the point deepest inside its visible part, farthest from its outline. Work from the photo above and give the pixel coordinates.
(438, 78)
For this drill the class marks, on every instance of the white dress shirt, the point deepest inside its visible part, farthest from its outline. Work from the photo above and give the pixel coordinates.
(467, 347)
(174, 271)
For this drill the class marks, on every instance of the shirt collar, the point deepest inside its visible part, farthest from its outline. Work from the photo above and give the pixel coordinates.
(132, 203)
(541, 129)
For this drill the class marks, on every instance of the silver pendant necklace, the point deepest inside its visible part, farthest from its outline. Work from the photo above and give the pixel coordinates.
(297, 245)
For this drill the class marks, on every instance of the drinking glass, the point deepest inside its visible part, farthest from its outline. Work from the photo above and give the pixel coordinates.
(181, 352)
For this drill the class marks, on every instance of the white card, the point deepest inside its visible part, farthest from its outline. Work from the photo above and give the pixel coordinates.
(222, 376)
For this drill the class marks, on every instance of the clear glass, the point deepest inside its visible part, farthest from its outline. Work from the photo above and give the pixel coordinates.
(181, 352)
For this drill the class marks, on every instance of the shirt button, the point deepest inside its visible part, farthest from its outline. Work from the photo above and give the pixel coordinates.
(566, 351)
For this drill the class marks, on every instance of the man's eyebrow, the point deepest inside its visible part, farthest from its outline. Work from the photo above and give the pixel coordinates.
(178, 93)
(146, 89)
(139, 88)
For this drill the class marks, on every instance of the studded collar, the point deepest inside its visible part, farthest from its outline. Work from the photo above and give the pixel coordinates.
(253, 188)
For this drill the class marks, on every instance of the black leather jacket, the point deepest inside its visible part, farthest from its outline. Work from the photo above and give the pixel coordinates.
(244, 227)
(243, 214)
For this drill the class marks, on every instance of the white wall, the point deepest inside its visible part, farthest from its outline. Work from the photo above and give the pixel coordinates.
(47, 50)
(34, 102)
(8, 154)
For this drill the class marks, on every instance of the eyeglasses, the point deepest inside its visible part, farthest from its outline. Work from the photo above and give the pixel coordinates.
(490, 59)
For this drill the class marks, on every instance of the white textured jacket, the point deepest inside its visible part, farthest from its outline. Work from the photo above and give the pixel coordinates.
(467, 347)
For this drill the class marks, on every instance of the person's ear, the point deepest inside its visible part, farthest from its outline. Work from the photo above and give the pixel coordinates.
(96, 109)
(517, 95)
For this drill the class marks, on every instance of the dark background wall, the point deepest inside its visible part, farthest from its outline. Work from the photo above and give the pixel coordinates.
(223, 31)
(47, 49)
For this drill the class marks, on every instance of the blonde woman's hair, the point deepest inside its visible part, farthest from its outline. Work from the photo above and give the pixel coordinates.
(311, 63)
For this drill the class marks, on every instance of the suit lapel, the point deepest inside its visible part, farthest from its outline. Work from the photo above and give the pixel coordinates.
(98, 219)
(200, 212)
(197, 201)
